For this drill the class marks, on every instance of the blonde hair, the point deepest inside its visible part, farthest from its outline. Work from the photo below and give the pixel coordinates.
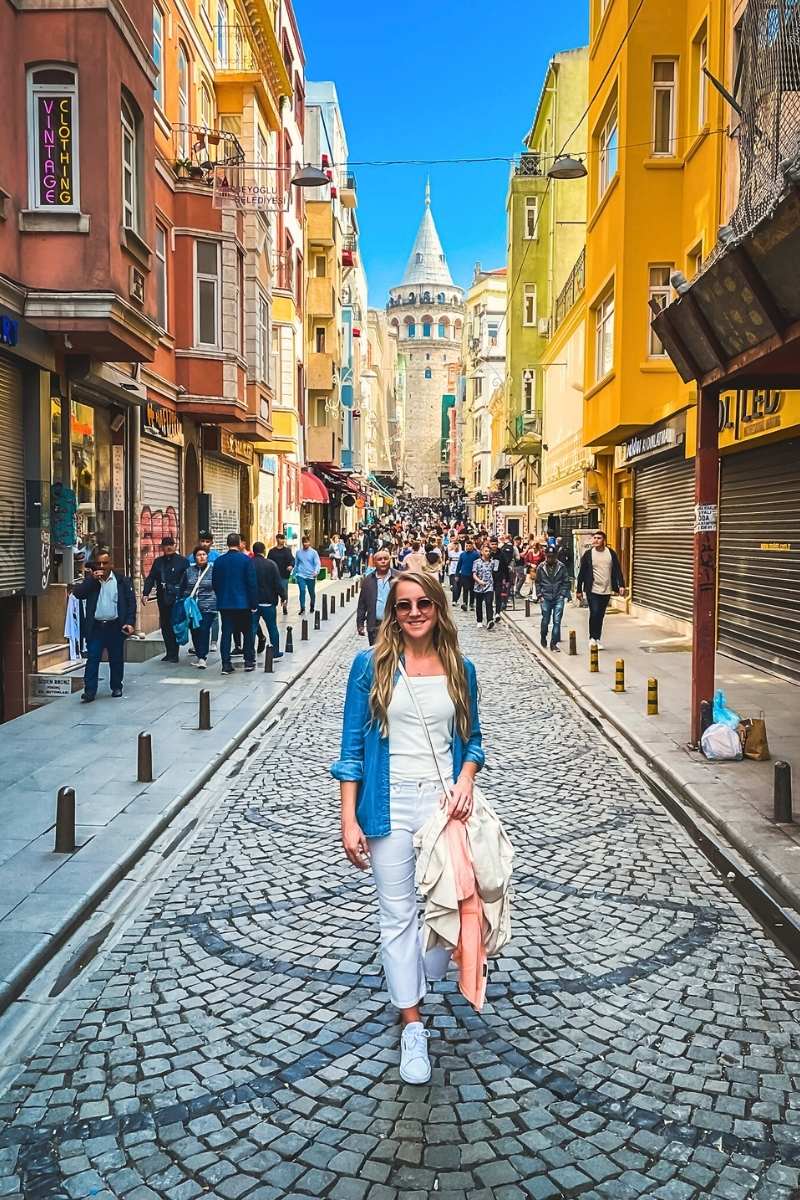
(389, 648)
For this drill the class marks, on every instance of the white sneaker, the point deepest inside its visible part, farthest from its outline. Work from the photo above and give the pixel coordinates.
(594, 642)
(214, 646)
(600, 645)
(415, 1066)
(201, 663)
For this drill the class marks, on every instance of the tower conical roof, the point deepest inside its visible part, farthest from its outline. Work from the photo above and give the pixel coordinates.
(427, 263)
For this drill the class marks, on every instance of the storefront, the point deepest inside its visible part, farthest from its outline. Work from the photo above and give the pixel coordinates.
(227, 463)
(267, 484)
(160, 512)
(12, 481)
(663, 518)
(759, 529)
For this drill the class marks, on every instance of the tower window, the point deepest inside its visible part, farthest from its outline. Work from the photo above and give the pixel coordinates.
(428, 373)
(419, 258)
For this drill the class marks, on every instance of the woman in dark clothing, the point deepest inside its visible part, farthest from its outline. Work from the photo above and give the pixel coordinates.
(196, 582)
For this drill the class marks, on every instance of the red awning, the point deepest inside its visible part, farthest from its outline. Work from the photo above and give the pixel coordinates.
(312, 489)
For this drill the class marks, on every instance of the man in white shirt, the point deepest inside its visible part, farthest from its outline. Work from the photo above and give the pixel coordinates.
(600, 577)
(110, 618)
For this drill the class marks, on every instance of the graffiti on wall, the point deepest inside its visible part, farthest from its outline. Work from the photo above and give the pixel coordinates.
(155, 524)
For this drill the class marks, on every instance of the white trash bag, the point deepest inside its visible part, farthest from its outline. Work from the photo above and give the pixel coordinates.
(721, 743)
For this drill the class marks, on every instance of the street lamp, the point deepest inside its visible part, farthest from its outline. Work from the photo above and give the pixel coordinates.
(567, 167)
(308, 177)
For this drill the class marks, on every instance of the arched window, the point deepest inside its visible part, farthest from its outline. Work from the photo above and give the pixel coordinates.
(428, 373)
(440, 298)
(427, 326)
(184, 115)
(442, 332)
(412, 297)
(131, 199)
(410, 327)
(394, 328)
(426, 297)
(53, 165)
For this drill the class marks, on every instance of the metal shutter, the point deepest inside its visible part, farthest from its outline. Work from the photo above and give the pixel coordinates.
(12, 482)
(221, 479)
(759, 616)
(161, 487)
(663, 536)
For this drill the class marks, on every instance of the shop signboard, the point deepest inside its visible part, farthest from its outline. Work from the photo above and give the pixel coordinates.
(54, 133)
(161, 422)
(650, 443)
(236, 448)
(751, 413)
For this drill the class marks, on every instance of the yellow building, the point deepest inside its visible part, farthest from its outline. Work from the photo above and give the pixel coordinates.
(654, 204)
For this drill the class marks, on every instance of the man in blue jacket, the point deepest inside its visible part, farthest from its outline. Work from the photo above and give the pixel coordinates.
(464, 585)
(110, 619)
(233, 578)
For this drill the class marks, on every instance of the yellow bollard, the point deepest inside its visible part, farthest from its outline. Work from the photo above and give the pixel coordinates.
(652, 697)
(619, 676)
(594, 660)
(573, 642)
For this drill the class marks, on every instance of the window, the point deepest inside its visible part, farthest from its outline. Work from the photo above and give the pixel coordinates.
(319, 339)
(531, 216)
(206, 107)
(664, 79)
(320, 266)
(694, 260)
(428, 373)
(658, 291)
(158, 54)
(262, 149)
(205, 13)
(412, 329)
(700, 56)
(206, 293)
(608, 147)
(604, 335)
(442, 332)
(477, 387)
(440, 298)
(493, 332)
(527, 392)
(529, 304)
(222, 33)
(183, 102)
(161, 276)
(130, 167)
(238, 303)
(53, 162)
(262, 339)
(426, 329)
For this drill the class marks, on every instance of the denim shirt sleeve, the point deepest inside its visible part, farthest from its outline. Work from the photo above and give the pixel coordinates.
(349, 767)
(473, 750)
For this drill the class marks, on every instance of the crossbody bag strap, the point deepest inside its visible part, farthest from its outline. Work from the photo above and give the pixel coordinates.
(200, 579)
(445, 785)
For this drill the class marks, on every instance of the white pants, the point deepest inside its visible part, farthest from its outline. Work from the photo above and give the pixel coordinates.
(393, 862)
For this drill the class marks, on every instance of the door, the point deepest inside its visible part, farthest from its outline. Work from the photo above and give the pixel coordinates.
(759, 557)
(663, 536)
(12, 482)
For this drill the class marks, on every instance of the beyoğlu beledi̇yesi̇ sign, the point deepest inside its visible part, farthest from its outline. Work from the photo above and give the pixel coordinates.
(54, 131)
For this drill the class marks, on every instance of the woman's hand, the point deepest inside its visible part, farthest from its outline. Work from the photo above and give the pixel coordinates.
(461, 798)
(355, 844)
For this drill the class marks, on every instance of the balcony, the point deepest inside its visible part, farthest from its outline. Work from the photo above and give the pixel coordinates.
(198, 149)
(234, 52)
(347, 193)
(529, 164)
(283, 271)
(321, 373)
(525, 435)
(323, 445)
(349, 251)
(319, 222)
(572, 289)
(320, 300)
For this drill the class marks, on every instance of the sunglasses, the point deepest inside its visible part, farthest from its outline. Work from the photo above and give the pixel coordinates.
(404, 608)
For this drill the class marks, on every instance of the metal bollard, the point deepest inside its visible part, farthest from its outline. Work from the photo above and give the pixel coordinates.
(573, 642)
(316, 620)
(333, 605)
(325, 607)
(65, 821)
(205, 709)
(782, 798)
(594, 660)
(527, 608)
(289, 640)
(144, 772)
(619, 675)
(304, 630)
(652, 697)
(268, 665)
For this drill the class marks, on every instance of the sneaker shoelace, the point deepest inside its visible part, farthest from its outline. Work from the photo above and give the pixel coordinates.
(415, 1043)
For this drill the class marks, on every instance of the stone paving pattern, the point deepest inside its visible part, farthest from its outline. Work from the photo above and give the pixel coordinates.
(640, 1038)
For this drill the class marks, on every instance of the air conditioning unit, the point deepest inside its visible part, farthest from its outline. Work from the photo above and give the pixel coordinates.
(136, 285)
(544, 327)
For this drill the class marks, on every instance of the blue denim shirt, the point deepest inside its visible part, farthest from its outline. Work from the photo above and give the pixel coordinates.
(364, 755)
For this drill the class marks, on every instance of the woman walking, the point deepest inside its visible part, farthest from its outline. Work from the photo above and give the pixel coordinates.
(390, 783)
(196, 583)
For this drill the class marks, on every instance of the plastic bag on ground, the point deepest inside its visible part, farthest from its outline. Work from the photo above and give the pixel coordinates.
(722, 714)
(721, 743)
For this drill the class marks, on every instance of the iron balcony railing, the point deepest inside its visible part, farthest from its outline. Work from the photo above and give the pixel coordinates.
(529, 164)
(198, 149)
(234, 50)
(576, 281)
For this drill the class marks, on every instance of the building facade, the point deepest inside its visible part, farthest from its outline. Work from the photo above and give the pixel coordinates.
(425, 314)
(483, 358)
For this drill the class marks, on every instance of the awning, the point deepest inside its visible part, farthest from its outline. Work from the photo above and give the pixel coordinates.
(312, 489)
(380, 489)
(341, 482)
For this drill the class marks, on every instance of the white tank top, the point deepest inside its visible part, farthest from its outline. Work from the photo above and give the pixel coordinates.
(409, 751)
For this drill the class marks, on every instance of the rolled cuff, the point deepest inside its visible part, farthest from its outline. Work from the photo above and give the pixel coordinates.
(476, 755)
(348, 770)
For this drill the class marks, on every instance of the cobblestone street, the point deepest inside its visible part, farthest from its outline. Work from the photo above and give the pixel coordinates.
(641, 1036)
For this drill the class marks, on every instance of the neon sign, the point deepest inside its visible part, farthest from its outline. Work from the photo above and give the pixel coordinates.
(55, 137)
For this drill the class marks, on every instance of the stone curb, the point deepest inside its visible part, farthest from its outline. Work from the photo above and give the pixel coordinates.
(775, 898)
(48, 946)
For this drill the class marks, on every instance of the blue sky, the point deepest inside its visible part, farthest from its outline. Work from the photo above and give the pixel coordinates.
(439, 79)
